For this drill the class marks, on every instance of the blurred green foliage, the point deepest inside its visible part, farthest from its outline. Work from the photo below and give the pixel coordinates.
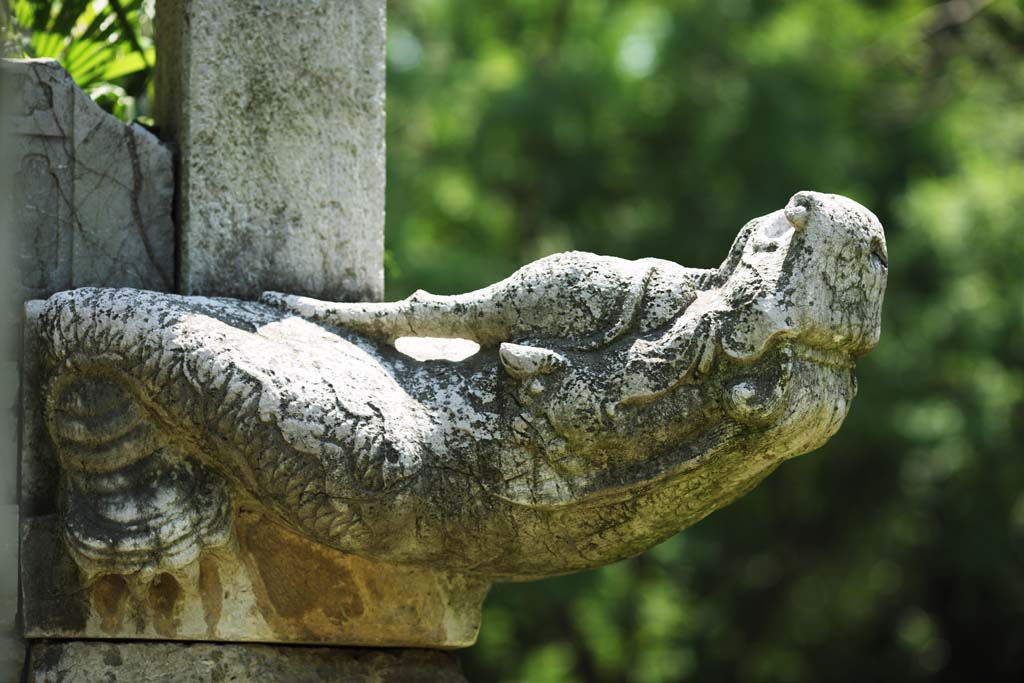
(896, 553)
(634, 128)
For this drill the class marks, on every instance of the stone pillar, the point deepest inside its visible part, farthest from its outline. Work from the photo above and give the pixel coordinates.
(277, 111)
(11, 648)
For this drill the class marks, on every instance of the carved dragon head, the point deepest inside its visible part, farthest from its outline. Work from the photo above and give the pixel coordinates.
(813, 272)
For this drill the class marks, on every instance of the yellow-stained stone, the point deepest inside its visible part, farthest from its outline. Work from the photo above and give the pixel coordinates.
(269, 585)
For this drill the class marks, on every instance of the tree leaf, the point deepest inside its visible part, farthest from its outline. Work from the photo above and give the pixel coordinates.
(131, 63)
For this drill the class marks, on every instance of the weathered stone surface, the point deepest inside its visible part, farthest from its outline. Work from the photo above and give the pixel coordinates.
(12, 647)
(89, 662)
(277, 109)
(611, 404)
(92, 196)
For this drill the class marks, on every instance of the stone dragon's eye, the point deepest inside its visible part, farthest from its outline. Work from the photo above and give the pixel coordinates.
(877, 256)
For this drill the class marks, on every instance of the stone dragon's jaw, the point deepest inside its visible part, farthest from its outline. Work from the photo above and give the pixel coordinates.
(819, 392)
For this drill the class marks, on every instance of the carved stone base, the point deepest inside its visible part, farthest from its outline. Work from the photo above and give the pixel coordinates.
(87, 662)
(270, 585)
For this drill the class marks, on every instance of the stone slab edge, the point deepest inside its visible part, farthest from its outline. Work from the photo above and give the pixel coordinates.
(87, 662)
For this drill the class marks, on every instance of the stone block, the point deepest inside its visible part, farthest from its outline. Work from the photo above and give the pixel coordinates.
(92, 196)
(11, 645)
(87, 662)
(268, 585)
(277, 111)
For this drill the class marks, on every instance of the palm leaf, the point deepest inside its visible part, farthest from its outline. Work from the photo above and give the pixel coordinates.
(128, 64)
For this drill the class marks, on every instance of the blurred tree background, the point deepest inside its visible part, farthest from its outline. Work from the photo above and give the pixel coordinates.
(637, 128)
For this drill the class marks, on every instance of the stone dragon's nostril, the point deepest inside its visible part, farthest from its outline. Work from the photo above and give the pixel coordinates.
(797, 216)
(798, 209)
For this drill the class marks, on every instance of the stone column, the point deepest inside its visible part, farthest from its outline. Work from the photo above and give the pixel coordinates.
(11, 648)
(277, 111)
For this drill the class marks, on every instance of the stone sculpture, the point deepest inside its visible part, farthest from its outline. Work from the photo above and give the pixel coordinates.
(611, 404)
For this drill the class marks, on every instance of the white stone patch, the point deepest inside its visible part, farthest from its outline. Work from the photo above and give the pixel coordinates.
(436, 348)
